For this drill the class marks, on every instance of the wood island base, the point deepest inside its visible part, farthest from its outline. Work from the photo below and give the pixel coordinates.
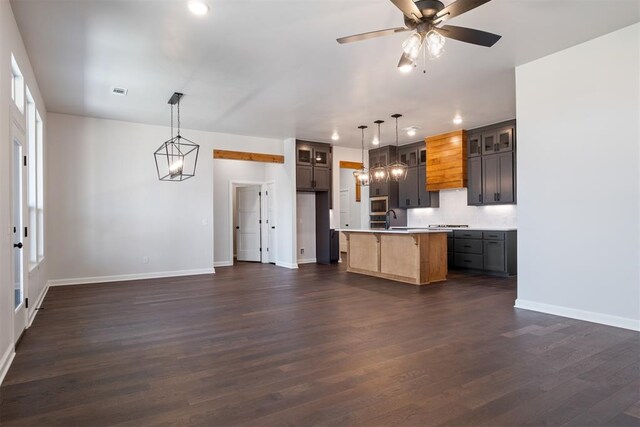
(419, 258)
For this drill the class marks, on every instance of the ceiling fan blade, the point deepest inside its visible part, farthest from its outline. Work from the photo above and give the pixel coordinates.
(457, 8)
(409, 9)
(469, 35)
(371, 35)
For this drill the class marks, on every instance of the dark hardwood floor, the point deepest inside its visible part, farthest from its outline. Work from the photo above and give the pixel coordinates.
(260, 345)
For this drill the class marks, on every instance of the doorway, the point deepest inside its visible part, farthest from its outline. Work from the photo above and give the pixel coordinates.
(18, 210)
(253, 222)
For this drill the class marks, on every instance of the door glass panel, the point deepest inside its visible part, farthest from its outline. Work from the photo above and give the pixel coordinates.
(423, 156)
(489, 141)
(504, 139)
(304, 156)
(17, 224)
(321, 158)
(413, 160)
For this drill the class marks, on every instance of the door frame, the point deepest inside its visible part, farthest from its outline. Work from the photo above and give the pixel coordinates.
(263, 206)
(18, 133)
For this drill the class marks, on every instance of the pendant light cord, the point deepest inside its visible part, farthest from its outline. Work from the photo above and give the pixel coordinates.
(363, 148)
(178, 117)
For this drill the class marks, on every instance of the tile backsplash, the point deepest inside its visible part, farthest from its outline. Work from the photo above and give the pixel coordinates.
(454, 210)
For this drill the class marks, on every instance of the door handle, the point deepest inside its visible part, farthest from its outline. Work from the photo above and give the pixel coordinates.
(18, 245)
(273, 227)
(237, 227)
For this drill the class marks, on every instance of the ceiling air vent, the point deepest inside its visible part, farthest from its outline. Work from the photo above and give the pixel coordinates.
(120, 91)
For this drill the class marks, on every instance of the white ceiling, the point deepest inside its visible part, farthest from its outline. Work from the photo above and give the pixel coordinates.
(273, 68)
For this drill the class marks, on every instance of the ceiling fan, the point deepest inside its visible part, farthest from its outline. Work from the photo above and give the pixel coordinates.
(424, 17)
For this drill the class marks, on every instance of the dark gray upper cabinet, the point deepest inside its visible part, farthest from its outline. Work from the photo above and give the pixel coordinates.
(422, 154)
(313, 169)
(426, 199)
(408, 190)
(474, 145)
(474, 185)
(304, 177)
(498, 178)
(491, 170)
(321, 179)
(409, 155)
(497, 141)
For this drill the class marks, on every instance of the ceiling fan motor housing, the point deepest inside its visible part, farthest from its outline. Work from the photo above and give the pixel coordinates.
(429, 8)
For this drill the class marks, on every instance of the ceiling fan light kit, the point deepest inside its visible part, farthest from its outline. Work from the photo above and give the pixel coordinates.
(425, 17)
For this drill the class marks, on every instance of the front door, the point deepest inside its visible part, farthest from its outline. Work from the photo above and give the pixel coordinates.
(17, 222)
(248, 223)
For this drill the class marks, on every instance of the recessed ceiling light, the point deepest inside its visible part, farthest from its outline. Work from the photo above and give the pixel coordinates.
(335, 136)
(457, 120)
(120, 91)
(198, 7)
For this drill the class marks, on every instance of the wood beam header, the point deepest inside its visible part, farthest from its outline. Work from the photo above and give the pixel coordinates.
(247, 156)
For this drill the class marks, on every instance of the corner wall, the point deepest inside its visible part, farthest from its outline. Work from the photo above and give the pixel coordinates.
(578, 115)
(11, 42)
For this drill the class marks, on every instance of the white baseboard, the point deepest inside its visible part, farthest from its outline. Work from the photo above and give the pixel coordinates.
(5, 361)
(38, 304)
(307, 261)
(126, 277)
(589, 316)
(223, 264)
(287, 264)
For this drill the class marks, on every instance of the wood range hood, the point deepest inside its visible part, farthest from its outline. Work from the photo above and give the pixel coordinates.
(446, 161)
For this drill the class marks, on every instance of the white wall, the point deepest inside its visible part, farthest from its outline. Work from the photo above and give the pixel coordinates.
(306, 227)
(348, 182)
(454, 210)
(348, 155)
(284, 177)
(11, 42)
(578, 115)
(107, 209)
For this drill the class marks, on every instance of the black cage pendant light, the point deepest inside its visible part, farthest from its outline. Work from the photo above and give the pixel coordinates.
(378, 173)
(362, 175)
(176, 158)
(397, 170)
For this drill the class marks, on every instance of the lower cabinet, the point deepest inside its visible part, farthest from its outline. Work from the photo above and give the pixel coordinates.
(486, 251)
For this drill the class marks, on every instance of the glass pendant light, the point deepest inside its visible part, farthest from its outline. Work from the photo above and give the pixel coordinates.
(435, 44)
(378, 172)
(412, 46)
(397, 170)
(362, 175)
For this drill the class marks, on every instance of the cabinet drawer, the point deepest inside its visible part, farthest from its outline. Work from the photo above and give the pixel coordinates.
(468, 246)
(468, 261)
(467, 234)
(493, 235)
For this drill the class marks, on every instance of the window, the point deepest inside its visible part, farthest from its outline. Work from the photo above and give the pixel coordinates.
(32, 198)
(40, 185)
(17, 85)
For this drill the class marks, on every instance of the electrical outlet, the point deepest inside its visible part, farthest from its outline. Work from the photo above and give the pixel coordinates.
(145, 260)
(301, 251)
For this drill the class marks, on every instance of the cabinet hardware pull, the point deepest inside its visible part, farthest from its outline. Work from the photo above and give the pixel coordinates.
(498, 196)
(466, 246)
(466, 260)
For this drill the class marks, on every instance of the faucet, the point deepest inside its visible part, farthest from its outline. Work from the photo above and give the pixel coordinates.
(387, 218)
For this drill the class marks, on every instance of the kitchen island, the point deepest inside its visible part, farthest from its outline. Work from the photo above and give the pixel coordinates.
(418, 257)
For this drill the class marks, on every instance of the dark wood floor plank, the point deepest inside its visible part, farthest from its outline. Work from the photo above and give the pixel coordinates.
(261, 345)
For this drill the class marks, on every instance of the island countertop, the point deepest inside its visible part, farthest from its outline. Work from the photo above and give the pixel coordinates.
(394, 231)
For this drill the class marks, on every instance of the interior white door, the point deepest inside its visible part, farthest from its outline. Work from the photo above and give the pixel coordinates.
(271, 223)
(248, 223)
(18, 211)
(345, 212)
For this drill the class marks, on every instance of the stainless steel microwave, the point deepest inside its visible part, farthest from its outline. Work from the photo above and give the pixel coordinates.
(378, 205)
